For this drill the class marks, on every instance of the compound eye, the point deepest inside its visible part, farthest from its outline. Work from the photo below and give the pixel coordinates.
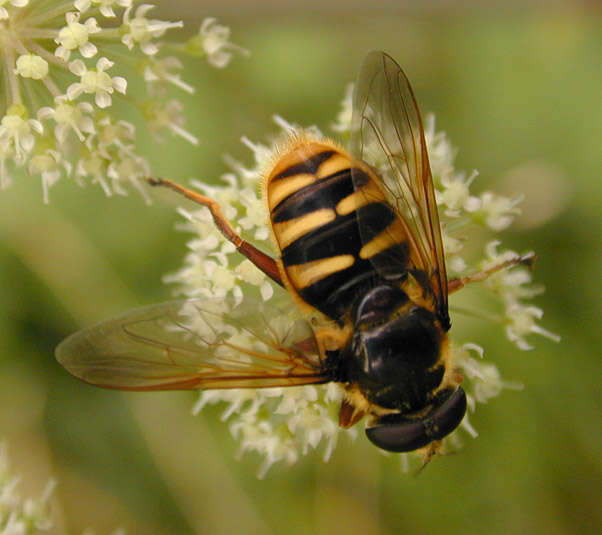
(406, 436)
(395, 432)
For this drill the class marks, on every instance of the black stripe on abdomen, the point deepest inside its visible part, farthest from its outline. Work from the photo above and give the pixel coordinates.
(341, 236)
(308, 165)
(335, 293)
(325, 193)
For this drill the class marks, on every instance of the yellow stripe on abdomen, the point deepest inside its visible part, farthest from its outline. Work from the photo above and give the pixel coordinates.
(394, 234)
(304, 275)
(289, 231)
(369, 193)
(334, 164)
(278, 190)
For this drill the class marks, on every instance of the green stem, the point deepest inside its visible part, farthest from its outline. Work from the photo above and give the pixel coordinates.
(42, 52)
(38, 33)
(9, 52)
(47, 16)
(477, 314)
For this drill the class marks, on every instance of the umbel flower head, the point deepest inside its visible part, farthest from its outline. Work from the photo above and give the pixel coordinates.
(64, 66)
(20, 516)
(26, 516)
(284, 424)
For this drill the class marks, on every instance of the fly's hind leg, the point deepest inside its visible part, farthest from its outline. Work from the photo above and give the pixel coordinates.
(263, 261)
(526, 260)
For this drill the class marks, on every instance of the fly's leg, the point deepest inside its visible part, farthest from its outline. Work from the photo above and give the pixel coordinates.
(526, 260)
(263, 261)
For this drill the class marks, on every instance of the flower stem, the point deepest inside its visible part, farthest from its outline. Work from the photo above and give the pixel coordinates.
(47, 16)
(9, 52)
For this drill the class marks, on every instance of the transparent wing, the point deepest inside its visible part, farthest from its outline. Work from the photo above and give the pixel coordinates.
(387, 134)
(198, 344)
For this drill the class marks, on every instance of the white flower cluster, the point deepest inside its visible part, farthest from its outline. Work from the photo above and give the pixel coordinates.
(284, 423)
(281, 424)
(460, 209)
(63, 64)
(20, 516)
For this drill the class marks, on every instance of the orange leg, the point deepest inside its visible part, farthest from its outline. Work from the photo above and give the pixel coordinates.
(264, 262)
(525, 260)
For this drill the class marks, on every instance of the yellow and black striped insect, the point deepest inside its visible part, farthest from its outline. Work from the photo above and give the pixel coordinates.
(362, 257)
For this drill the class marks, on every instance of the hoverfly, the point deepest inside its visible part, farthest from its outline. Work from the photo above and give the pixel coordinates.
(362, 257)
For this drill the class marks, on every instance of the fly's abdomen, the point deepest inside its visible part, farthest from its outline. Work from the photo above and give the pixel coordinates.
(314, 206)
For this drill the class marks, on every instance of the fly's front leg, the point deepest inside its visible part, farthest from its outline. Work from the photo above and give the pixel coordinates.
(264, 262)
(526, 260)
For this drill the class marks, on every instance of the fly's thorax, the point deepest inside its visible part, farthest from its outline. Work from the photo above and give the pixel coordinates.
(395, 353)
(330, 218)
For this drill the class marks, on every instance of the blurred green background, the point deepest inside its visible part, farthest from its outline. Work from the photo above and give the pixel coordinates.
(517, 88)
